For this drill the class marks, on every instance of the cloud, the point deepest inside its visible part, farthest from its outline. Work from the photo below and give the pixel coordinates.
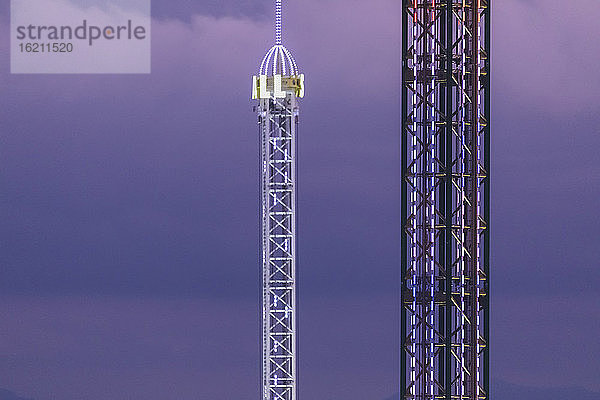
(121, 181)
(98, 348)
(8, 395)
(117, 348)
(85, 177)
(508, 391)
(229, 49)
(184, 10)
(104, 56)
(529, 334)
(544, 57)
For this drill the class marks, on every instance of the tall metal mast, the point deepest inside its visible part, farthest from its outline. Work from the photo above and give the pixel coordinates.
(277, 89)
(445, 200)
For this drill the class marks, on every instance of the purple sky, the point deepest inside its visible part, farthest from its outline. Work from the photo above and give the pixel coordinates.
(129, 234)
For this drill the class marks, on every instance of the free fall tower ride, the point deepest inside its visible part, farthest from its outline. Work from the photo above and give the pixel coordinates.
(277, 88)
(445, 207)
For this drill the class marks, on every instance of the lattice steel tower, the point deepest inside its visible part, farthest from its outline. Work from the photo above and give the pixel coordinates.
(277, 89)
(445, 200)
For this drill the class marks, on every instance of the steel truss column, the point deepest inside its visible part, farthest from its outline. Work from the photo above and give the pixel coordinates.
(277, 88)
(278, 120)
(445, 200)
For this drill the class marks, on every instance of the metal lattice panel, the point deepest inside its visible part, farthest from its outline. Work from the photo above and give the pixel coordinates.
(445, 200)
(278, 120)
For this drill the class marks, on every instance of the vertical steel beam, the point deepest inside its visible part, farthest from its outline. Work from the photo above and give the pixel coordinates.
(486, 82)
(403, 211)
(446, 36)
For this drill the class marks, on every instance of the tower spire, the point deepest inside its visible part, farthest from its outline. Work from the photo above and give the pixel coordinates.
(278, 28)
(279, 60)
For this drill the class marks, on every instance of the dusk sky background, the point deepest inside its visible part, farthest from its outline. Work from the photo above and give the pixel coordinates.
(129, 258)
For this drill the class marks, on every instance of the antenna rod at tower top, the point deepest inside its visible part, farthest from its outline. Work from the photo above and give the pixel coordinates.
(278, 22)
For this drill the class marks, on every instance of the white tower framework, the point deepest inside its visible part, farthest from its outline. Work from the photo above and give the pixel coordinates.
(277, 89)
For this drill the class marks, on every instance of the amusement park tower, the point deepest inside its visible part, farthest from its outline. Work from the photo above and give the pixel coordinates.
(277, 89)
(445, 237)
